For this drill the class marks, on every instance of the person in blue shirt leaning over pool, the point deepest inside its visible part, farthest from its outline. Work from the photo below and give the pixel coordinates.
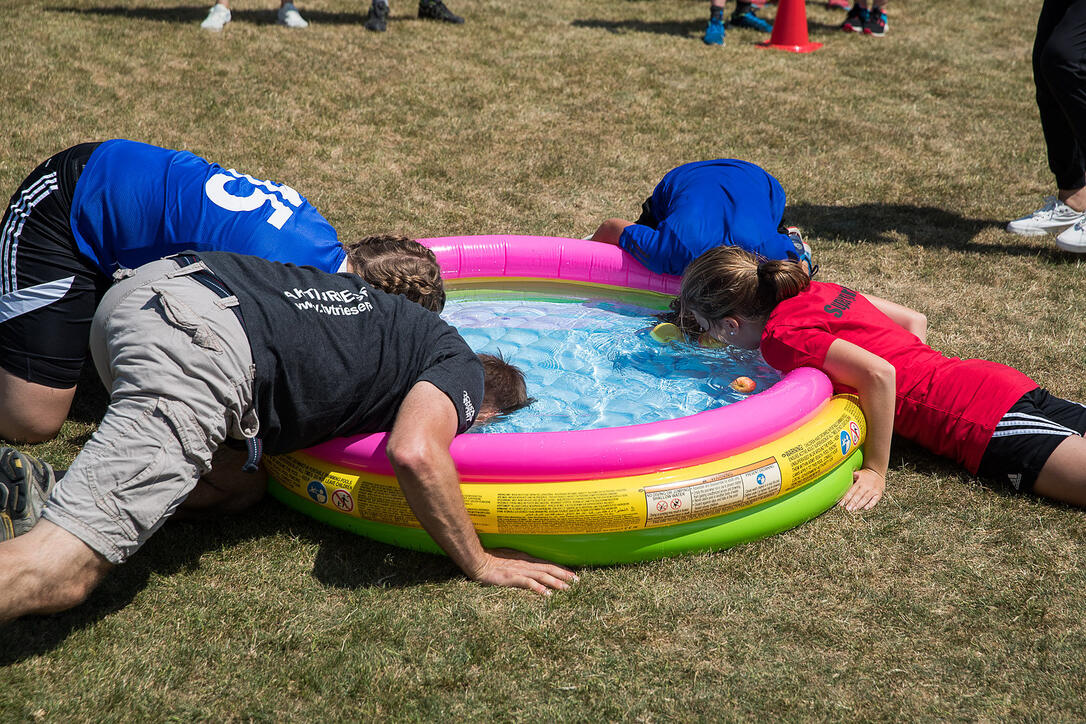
(702, 205)
(95, 208)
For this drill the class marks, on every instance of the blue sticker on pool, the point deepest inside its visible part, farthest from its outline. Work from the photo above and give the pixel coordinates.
(592, 364)
(317, 491)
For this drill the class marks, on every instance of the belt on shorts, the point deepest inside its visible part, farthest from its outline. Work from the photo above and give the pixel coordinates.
(209, 279)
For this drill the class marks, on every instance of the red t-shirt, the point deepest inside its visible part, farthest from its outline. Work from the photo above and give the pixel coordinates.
(948, 405)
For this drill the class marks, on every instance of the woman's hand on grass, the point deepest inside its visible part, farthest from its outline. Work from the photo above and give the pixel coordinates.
(866, 490)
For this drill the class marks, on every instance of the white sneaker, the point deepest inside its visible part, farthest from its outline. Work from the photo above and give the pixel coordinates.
(218, 16)
(1052, 218)
(289, 16)
(1073, 239)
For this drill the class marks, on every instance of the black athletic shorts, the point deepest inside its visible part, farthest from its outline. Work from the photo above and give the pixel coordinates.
(647, 218)
(48, 290)
(1027, 435)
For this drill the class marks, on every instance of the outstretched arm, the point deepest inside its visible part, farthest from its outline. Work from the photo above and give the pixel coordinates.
(912, 320)
(873, 378)
(418, 448)
(610, 231)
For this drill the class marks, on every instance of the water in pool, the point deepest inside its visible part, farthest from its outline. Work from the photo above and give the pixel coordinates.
(590, 363)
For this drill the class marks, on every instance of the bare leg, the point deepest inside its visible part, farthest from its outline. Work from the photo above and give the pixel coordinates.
(1063, 477)
(30, 412)
(226, 489)
(1075, 198)
(45, 571)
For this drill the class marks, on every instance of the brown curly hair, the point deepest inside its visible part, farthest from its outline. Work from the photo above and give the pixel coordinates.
(398, 265)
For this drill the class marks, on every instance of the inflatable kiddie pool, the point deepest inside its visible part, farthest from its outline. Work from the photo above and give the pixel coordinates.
(704, 481)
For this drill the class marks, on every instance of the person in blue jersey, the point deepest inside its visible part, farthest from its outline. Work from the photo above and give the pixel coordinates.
(95, 208)
(702, 205)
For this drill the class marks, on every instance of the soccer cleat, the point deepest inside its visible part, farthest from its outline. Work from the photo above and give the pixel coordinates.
(751, 21)
(7, 530)
(856, 20)
(1073, 239)
(217, 17)
(877, 24)
(377, 20)
(25, 485)
(290, 17)
(436, 10)
(714, 32)
(837, 4)
(1052, 218)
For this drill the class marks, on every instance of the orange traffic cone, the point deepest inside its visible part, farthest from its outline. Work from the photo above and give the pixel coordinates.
(790, 28)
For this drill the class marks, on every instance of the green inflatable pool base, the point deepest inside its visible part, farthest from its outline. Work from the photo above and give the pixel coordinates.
(724, 531)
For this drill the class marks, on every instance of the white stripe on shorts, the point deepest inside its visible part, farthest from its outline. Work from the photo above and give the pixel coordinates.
(1063, 432)
(1021, 421)
(9, 235)
(26, 300)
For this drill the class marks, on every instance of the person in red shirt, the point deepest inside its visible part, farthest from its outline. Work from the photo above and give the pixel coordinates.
(991, 418)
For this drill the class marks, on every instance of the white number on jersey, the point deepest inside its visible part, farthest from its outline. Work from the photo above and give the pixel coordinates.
(215, 188)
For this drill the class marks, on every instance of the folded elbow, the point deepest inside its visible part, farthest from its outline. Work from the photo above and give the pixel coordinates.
(883, 375)
(410, 454)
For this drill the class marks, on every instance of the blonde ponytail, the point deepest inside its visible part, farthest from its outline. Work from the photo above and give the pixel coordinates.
(729, 281)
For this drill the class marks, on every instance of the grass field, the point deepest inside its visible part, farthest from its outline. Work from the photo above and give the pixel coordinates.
(902, 158)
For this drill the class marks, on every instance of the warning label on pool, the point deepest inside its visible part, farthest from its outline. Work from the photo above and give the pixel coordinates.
(612, 505)
(713, 495)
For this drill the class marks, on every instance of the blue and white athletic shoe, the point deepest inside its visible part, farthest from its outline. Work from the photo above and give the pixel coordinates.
(751, 21)
(1052, 218)
(714, 33)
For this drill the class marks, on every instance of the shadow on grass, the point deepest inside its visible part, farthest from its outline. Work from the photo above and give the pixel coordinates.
(925, 226)
(194, 14)
(686, 28)
(343, 560)
(682, 28)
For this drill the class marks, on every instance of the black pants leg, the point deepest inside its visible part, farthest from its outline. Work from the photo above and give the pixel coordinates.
(1059, 71)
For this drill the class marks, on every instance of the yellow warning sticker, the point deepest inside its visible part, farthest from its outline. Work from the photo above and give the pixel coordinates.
(610, 505)
(714, 495)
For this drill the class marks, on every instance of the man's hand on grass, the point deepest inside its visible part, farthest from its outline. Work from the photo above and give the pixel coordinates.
(506, 567)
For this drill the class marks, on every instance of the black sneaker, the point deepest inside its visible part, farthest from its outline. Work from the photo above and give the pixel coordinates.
(25, 485)
(856, 20)
(377, 20)
(876, 24)
(436, 10)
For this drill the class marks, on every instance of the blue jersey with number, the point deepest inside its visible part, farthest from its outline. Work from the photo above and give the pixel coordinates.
(135, 203)
(703, 205)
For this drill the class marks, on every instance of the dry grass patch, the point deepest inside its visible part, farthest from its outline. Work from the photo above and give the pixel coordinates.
(902, 159)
